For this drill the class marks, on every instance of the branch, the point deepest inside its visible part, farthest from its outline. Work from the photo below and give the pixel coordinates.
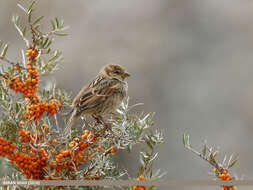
(10, 62)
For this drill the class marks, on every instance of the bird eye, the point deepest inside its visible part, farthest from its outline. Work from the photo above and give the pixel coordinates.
(117, 72)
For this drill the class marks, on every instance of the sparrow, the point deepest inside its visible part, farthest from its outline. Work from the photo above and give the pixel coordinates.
(101, 96)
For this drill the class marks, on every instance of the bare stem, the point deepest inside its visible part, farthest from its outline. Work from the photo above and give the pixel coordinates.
(214, 163)
(10, 62)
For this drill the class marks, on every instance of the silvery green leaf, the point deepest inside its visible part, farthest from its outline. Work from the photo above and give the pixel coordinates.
(57, 22)
(204, 150)
(24, 31)
(233, 161)
(38, 20)
(22, 8)
(31, 5)
(5, 50)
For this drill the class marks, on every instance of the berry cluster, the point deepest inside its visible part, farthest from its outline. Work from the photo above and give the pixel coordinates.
(36, 108)
(30, 84)
(6, 147)
(28, 137)
(31, 164)
(29, 87)
(75, 156)
(224, 175)
(141, 177)
(24, 136)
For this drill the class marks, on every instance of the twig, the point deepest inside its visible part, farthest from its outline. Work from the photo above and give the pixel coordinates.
(214, 163)
(56, 123)
(10, 62)
(21, 34)
(90, 168)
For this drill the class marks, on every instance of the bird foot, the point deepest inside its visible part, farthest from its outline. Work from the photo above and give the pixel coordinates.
(100, 120)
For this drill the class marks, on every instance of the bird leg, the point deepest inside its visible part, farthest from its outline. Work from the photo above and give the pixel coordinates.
(100, 120)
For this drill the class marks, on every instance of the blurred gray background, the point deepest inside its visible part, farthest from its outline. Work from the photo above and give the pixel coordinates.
(190, 60)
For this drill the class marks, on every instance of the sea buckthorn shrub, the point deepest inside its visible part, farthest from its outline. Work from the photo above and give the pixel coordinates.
(209, 154)
(33, 118)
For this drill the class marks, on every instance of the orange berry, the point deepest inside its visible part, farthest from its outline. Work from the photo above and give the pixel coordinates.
(71, 144)
(29, 50)
(227, 177)
(114, 149)
(53, 151)
(221, 176)
(54, 141)
(65, 153)
(91, 156)
(83, 137)
(84, 159)
(45, 127)
(100, 147)
(22, 132)
(76, 139)
(86, 131)
(91, 137)
(141, 177)
(22, 123)
(35, 53)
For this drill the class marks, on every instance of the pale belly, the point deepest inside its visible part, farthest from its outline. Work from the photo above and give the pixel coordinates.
(110, 104)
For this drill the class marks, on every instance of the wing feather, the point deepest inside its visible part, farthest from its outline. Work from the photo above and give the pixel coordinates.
(95, 93)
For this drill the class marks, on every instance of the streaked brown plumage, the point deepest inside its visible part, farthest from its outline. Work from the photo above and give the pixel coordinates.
(101, 96)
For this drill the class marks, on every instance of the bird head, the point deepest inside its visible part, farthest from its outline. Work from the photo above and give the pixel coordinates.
(114, 71)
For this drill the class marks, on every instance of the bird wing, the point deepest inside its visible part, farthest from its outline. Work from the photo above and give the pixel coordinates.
(95, 93)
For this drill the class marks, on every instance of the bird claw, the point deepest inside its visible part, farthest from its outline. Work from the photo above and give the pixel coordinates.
(100, 120)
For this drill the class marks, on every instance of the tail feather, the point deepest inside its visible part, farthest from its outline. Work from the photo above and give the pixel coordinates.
(71, 121)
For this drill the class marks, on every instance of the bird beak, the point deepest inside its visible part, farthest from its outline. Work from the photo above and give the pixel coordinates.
(125, 75)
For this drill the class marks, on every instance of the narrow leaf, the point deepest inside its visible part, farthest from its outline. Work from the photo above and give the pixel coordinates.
(188, 140)
(204, 150)
(48, 44)
(53, 25)
(38, 20)
(37, 28)
(21, 7)
(215, 153)
(57, 22)
(23, 58)
(60, 34)
(224, 160)
(233, 162)
(24, 31)
(31, 5)
(15, 19)
(5, 49)
(30, 15)
(184, 139)
(212, 160)
(62, 22)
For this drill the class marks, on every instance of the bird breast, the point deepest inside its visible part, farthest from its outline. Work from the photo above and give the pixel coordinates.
(113, 102)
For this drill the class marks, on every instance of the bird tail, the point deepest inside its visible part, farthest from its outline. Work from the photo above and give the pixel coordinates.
(70, 122)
